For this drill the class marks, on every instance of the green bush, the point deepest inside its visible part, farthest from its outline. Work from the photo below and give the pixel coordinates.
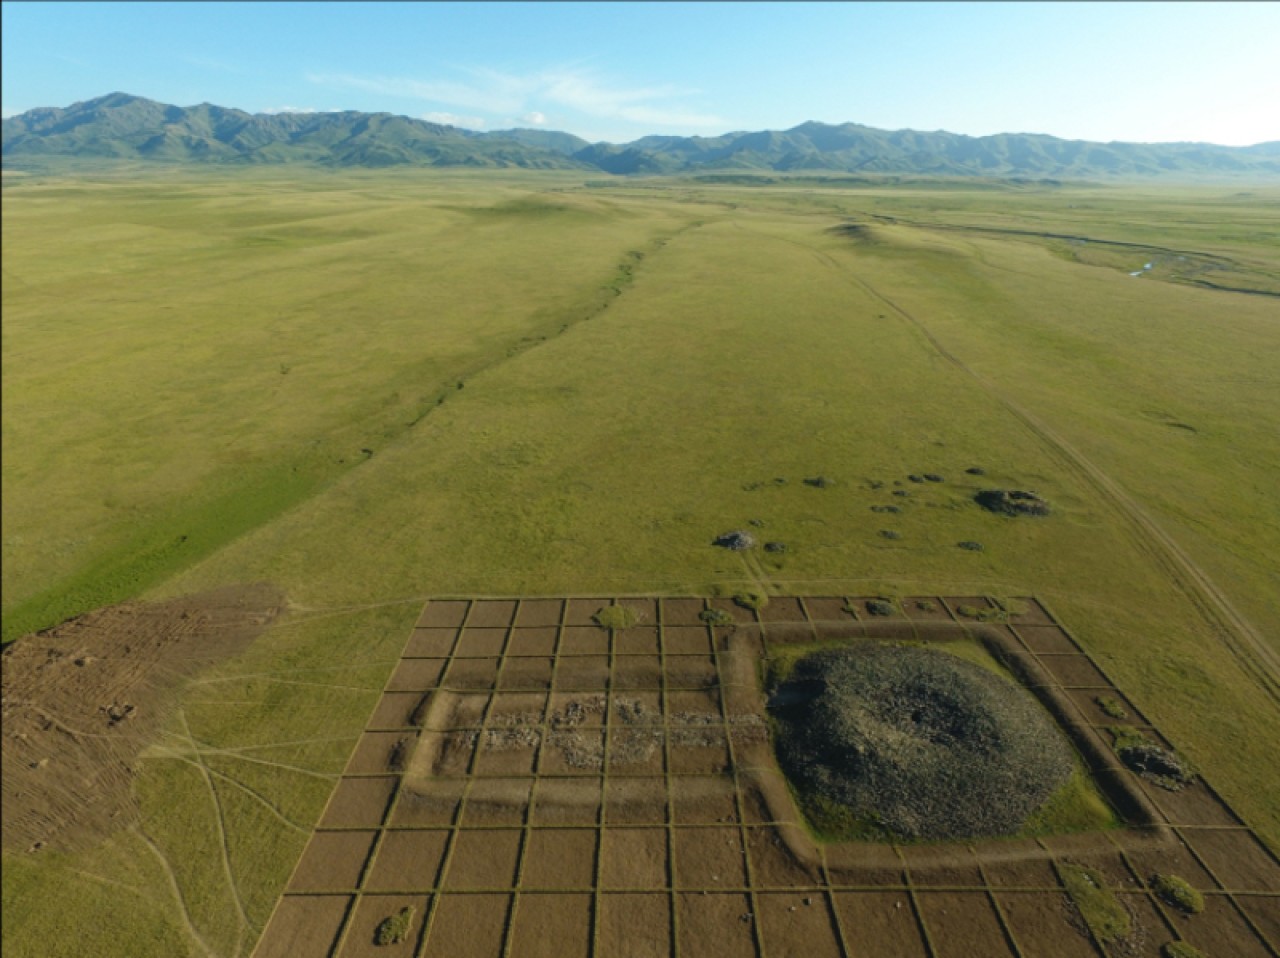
(615, 617)
(1177, 892)
(395, 928)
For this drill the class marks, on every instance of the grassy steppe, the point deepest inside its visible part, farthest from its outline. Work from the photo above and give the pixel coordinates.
(194, 366)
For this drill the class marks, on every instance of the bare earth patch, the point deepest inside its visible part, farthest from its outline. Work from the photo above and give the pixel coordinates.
(81, 700)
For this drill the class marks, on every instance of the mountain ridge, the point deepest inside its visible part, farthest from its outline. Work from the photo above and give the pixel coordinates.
(123, 126)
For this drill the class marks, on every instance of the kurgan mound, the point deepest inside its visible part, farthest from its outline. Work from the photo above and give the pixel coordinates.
(918, 741)
(1012, 502)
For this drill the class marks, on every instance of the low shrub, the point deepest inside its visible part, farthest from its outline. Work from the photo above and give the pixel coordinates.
(395, 928)
(1178, 892)
(1111, 706)
(614, 617)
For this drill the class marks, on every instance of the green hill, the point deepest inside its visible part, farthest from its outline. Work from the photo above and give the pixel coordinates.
(120, 126)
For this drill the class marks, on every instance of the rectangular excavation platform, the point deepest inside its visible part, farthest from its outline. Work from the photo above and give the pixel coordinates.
(530, 784)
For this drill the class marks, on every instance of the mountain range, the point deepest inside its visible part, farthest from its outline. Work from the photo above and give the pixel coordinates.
(121, 126)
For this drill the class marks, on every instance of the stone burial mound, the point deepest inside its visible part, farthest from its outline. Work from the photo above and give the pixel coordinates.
(917, 742)
(1012, 502)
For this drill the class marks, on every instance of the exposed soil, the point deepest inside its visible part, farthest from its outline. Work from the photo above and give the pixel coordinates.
(1037, 924)
(962, 924)
(468, 926)
(552, 926)
(80, 701)
(637, 926)
(881, 923)
(304, 925)
(1240, 861)
(797, 925)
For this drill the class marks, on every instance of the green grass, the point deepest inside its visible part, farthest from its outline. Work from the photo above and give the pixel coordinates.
(1177, 892)
(1107, 919)
(618, 412)
(754, 599)
(615, 617)
(1180, 949)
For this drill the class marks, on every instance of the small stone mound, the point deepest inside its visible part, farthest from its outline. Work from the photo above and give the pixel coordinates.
(933, 477)
(890, 534)
(819, 482)
(1012, 502)
(736, 541)
(917, 741)
(976, 471)
(970, 546)
(890, 509)
(1156, 764)
(915, 478)
(880, 607)
(775, 547)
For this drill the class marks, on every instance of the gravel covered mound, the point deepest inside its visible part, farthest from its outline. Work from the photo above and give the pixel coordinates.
(919, 741)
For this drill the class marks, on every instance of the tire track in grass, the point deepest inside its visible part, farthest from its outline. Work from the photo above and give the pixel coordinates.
(176, 888)
(223, 845)
(1246, 644)
(1252, 652)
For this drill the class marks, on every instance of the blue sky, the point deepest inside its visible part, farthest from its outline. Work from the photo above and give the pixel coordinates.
(1145, 72)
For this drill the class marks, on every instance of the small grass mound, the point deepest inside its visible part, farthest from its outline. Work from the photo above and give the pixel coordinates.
(1178, 892)
(715, 617)
(1102, 912)
(394, 929)
(615, 617)
(752, 599)
(917, 743)
(1111, 706)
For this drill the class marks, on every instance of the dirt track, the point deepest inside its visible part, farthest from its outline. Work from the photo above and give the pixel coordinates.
(1255, 655)
(81, 700)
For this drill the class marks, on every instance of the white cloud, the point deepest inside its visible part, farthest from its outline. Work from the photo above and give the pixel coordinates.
(493, 92)
(453, 119)
(5, 113)
(289, 109)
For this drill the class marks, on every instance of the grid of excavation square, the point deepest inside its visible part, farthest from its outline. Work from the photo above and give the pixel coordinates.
(531, 784)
